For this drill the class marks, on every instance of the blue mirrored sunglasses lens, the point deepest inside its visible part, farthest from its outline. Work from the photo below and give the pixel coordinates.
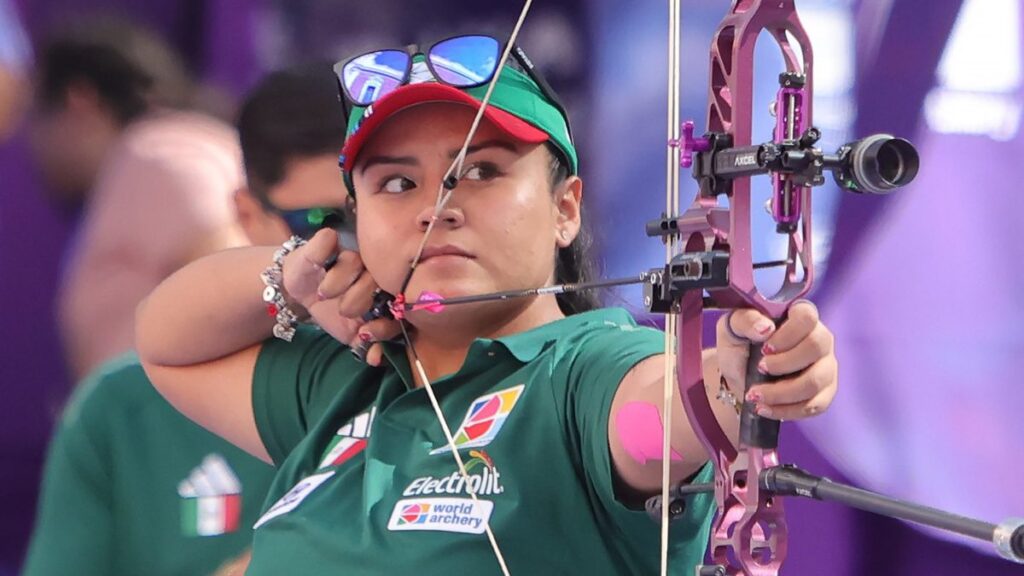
(465, 61)
(368, 77)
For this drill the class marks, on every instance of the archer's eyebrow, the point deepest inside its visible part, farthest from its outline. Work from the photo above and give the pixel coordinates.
(411, 161)
(399, 160)
(495, 143)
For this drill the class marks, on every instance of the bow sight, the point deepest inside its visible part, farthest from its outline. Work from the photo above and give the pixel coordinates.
(877, 164)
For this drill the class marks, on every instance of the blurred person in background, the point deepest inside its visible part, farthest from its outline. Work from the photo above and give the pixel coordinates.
(131, 485)
(153, 182)
(15, 57)
(292, 130)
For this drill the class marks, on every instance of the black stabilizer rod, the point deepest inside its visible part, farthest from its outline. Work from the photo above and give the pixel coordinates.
(1007, 537)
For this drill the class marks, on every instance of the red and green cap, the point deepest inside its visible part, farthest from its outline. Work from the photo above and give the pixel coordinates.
(517, 106)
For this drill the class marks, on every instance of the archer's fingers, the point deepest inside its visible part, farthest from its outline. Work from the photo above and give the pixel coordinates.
(376, 354)
(304, 266)
(325, 314)
(801, 319)
(743, 326)
(357, 298)
(303, 269)
(341, 276)
(815, 346)
(320, 247)
(800, 410)
(733, 349)
(813, 390)
(381, 329)
(367, 343)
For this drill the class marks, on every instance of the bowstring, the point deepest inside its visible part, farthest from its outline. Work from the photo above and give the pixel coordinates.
(444, 194)
(671, 319)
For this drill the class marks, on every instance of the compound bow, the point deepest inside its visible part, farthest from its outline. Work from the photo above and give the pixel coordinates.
(715, 268)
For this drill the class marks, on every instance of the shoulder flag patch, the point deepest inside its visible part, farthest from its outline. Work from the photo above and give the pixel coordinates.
(350, 440)
(211, 499)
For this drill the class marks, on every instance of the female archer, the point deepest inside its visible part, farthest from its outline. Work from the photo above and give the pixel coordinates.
(552, 403)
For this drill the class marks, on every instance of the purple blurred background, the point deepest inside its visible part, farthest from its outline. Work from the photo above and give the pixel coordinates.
(919, 286)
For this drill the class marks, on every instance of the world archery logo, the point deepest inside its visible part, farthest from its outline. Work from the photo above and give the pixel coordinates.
(462, 515)
(484, 419)
(417, 513)
(349, 441)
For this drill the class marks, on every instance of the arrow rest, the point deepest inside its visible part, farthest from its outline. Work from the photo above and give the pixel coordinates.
(687, 271)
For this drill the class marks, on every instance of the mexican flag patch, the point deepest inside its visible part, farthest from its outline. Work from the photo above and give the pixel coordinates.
(211, 499)
(349, 441)
(211, 515)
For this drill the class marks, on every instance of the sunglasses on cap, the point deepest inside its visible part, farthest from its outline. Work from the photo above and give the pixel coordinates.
(461, 61)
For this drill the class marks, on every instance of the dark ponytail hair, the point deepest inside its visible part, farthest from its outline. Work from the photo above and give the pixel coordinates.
(573, 263)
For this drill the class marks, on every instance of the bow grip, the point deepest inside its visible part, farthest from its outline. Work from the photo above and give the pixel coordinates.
(757, 431)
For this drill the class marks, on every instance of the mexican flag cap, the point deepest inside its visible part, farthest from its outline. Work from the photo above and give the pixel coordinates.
(517, 106)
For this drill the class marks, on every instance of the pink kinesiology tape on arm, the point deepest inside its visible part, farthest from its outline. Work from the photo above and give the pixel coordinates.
(640, 430)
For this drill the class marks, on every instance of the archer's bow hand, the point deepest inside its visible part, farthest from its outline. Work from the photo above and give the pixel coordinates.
(800, 351)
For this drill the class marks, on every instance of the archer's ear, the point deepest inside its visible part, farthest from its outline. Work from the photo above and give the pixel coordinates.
(83, 98)
(568, 201)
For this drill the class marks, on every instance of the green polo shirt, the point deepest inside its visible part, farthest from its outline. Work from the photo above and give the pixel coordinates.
(133, 487)
(367, 486)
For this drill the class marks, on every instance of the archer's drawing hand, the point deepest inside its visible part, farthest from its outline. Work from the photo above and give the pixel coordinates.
(336, 299)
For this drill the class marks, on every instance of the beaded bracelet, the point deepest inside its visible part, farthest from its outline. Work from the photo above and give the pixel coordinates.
(273, 294)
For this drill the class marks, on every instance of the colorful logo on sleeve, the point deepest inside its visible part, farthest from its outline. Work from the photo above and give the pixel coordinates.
(484, 419)
(349, 441)
(211, 499)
